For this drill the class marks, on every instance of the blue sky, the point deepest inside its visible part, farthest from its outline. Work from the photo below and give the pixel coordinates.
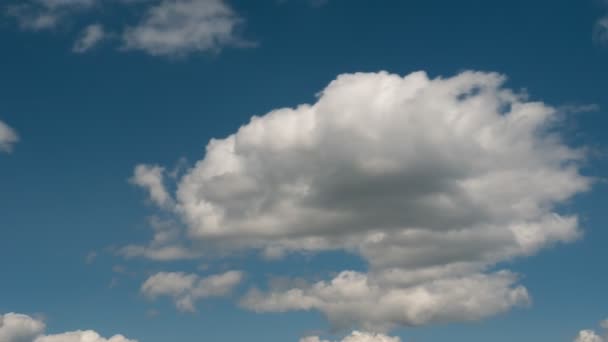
(90, 90)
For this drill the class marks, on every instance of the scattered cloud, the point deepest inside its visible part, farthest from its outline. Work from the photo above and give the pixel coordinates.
(91, 36)
(151, 179)
(39, 15)
(588, 336)
(600, 32)
(431, 181)
(181, 27)
(166, 245)
(352, 299)
(91, 257)
(168, 28)
(19, 328)
(81, 336)
(8, 137)
(356, 336)
(186, 289)
(22, 328)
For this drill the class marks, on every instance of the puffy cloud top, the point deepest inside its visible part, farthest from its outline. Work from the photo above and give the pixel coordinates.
(8, 137)
(22, 328)
(19, 328)
(588, 336)
(431, 181)
(81, 336)
(357, 336)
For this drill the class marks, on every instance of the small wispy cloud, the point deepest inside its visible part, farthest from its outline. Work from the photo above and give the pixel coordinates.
(8, 137)
(181, 27)
(36, 15)
(90, 37)
(166, 28)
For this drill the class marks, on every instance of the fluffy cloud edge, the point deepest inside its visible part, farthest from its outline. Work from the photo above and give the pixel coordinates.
(16, 327)
(166, 28)
(431, 181)
(8, 137)
(186, 289)
(356, 336)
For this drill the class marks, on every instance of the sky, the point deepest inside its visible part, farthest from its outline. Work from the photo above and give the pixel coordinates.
(303, 170)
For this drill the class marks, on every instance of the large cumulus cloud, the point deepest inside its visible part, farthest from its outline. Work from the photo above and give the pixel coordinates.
(431, 181)
(23, 328)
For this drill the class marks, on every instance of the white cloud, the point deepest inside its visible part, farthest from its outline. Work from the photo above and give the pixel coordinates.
(46, 14)
(22, 328)
(8, 137)
(169, 28)
(588, 336)
(181, 27)
(19, 328)
(81, 336)
(431, 181)
(351, 299)
(186, 289)
(91, 36)
(600, 33)
(356, 336)
(150, 178)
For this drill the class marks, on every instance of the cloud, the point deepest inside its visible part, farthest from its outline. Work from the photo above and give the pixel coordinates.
(22, 328)
(8, 137)
(168, 28)
(351, 299)
(356, 336)
(46, 14)
(91, 36)
(81, 336)
(151, 179)
(19, 328)
(180, 27)
(432, 182)
(588, 336)
(165, 246)
(600, 33)
(186, 289)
